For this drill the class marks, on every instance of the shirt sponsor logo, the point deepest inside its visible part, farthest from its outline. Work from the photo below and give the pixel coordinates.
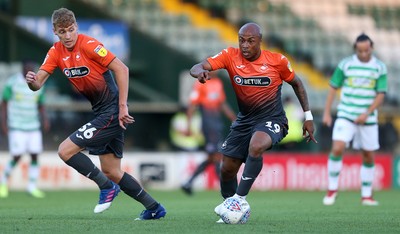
(252, 81)
(76, 72)
(100, 50)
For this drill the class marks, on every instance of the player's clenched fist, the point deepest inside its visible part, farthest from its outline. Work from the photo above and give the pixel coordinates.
(30, 77)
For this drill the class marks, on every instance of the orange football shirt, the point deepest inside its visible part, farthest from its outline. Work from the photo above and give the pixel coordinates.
(257, 84)
(85, 67)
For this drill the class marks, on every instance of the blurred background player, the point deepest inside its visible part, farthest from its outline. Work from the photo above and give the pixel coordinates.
(23, 115)
(210, 99)
(363, 79)
(178, 132)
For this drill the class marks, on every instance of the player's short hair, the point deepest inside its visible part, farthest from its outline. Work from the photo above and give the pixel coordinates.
(63, 18)
(363, 37)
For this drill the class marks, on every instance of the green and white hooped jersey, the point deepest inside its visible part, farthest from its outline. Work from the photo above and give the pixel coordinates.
(360, 83)
(23, 111)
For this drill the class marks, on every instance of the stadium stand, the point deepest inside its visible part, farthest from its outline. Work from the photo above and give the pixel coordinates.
(320, 32)
(199, 34)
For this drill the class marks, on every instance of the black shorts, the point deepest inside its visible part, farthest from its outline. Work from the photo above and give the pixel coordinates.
(236, 144)
(100, 136)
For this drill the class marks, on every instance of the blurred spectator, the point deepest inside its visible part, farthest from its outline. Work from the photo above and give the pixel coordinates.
(23, 114)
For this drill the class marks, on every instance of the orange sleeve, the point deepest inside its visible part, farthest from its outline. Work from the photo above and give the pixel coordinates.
(220, 60)
(286, 70)
(50, 61)
(98, 52)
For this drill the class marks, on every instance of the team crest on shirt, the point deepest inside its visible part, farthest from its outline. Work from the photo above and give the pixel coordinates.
(252, 81)
(100, 50)
(264, 67)
(78, 56)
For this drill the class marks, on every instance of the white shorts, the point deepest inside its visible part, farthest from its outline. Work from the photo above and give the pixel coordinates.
(21, 142)
(364, 137)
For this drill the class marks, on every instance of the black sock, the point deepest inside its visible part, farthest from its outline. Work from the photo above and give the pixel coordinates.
(82, 164)
(251, 170)
(228, 188)
(200, 168)
(133, 189)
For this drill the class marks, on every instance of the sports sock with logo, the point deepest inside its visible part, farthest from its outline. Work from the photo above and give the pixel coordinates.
(251, 170)
(133, 189)
(82, 164)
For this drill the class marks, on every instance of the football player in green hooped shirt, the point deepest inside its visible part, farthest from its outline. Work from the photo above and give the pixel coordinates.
(23, 116)
(363, 80)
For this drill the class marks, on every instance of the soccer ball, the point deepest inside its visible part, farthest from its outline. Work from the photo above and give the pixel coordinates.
(235, 211)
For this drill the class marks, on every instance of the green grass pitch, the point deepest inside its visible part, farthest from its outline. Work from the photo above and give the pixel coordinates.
(272, 212)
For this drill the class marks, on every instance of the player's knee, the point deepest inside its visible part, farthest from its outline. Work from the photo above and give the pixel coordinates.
(113, 174)
(16, 159)
(63, 153)
(337, 151)
(228, 173)
(368, 157)
(257, 148)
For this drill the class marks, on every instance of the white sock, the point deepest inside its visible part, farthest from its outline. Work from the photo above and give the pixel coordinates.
(6, 173)
(367, 177)
(238, 196)
(334, 167)
(33, 176)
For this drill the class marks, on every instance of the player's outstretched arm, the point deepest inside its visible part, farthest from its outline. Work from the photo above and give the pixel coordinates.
(34, 80)
(200, 71)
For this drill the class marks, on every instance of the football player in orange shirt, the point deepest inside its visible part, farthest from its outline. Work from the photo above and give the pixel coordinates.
(87, 64)
(257, 77)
